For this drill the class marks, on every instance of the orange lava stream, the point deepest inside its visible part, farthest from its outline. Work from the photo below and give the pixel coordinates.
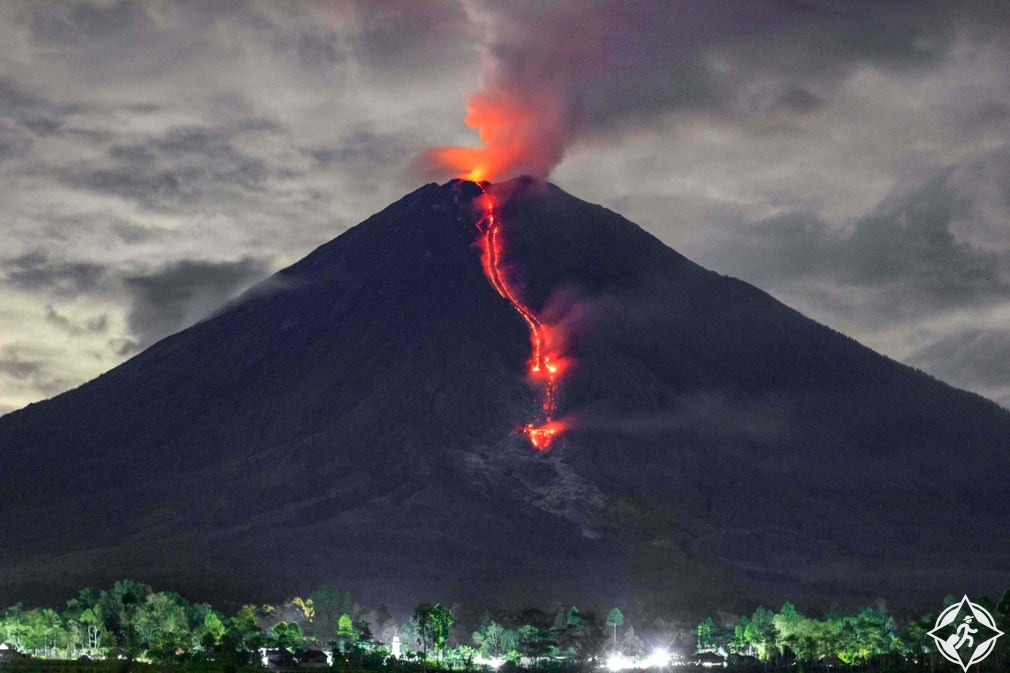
(544, 368)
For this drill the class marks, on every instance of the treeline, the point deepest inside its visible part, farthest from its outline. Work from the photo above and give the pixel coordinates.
(837, 639)
(133, 621)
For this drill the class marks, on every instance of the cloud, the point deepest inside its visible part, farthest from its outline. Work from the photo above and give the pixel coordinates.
(401, 38)
(83, 23)
(362, 149)
(922, 250)
(974, 358)
(29, 370)
(36, 271)
(19, 369)
(14, 143)
(179, 294)
(95, 325)
(923, 277)
(186, 166)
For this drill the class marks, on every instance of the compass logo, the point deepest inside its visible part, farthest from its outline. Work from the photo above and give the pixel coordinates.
(965, 633)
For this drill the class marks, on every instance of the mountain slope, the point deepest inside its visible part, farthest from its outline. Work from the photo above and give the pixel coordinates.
(352, 420)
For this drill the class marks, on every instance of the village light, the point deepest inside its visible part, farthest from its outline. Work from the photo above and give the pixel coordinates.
(658, 658)
(618, 662)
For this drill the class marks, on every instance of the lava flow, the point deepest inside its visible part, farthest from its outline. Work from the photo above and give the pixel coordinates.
(544, 367)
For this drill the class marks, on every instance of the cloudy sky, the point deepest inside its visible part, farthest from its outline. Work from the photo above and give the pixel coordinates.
(851, 158)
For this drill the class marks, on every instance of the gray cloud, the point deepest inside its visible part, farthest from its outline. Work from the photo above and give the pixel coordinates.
(29, 368)
(974, 358)
(14, 142)
(924, 276)
(35, 271)
(187, 165)
(124, 347)
(19, 369)
(363, 148)
(82, 24)
(181, 293)
(93, 325)
(399, 38)
(635, 61)
(131, 233)
(907, 251)
(17, 100)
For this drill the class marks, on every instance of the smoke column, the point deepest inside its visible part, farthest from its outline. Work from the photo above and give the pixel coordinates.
(523, 112)
(522, 132)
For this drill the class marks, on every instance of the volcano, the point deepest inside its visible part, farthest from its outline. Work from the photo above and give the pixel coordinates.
(357, 420)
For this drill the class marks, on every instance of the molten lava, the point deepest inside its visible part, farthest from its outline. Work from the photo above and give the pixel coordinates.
(545, 365)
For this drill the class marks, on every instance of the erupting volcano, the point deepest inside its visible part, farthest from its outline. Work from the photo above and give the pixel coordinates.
(545, 366)
(358, 405)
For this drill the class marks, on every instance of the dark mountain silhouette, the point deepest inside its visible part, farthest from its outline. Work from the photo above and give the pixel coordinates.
(353, 420)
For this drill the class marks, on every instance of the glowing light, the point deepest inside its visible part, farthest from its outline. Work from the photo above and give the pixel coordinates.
(658, 658)
(619, 662)
(541, 436)
(545, 366)
(522, 131)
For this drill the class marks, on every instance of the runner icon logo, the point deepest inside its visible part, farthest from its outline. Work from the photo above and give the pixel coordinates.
(965, 633)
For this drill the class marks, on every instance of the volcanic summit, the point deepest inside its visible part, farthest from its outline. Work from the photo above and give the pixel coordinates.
(357, 420)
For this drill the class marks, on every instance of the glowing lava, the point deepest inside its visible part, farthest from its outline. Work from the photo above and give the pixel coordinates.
(521, 132)
(545, 366)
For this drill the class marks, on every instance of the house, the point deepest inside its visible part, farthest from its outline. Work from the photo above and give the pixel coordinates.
(315, 659)
(9, 654)
(710, 660)
(277, 659)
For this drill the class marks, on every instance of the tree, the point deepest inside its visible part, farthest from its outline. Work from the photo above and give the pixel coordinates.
(615, 619)
(13, 627)
(307, 607)
(631, 644)
(431, 626)
(345, 627)
(363, 634)
(345, 633)
(787, 623)
(84, 620)
(874, 633)
(488, 640)
(118, 608)
(535, 642)
(806, 639)
(44, 632)
(442, 619)
(762, 634)
(93, 628)
(210, 631)
(288, 636)
(706, 633)
(591, 637)
(568, 630)
(162, 626)
(326, 606)
(915, 638)
(244, 637)
(421, 624)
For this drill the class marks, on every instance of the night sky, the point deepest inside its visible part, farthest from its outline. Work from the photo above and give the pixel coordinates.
(158, 158)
